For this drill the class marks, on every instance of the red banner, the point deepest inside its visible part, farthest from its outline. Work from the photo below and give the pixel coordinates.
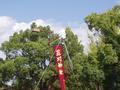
(58, 50)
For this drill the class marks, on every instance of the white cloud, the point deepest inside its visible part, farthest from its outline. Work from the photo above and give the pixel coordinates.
(9, 25)
(82, 33)
(6, 22)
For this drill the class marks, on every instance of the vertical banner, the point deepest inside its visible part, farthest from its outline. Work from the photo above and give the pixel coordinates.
(58, 52)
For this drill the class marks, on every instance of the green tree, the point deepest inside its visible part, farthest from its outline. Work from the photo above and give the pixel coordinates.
(107, 24)
(86, 74)
(26, 56)
(74, 49)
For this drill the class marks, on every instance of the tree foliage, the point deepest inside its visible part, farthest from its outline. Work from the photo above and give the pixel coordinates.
(109, 51)
(29, 66)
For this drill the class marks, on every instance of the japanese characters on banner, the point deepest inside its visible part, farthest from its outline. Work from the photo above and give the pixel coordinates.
(58, 50)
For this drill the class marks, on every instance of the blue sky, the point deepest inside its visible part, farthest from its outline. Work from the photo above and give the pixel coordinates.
(64, 11)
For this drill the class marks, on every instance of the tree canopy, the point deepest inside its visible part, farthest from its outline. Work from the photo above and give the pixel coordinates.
(107, 25)
(30, 64)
